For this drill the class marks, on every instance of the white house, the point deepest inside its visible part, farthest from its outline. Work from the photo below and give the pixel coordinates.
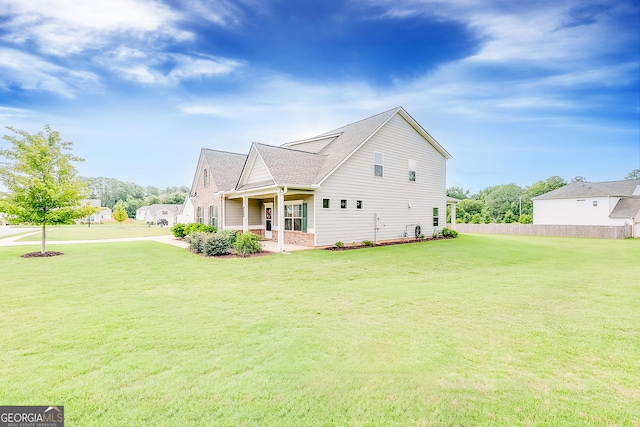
(168, 212)
(186, 215)
(103, 214)
(141, 213)
(381, 178)
(591, 203)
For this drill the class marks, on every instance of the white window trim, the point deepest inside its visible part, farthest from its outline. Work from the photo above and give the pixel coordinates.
(375, 163)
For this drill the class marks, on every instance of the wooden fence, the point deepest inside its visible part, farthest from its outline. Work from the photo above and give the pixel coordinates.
(592, 231)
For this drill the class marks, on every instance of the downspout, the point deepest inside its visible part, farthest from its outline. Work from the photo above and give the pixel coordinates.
(223, 216)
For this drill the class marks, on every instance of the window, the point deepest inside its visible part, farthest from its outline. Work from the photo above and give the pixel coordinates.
(199, 215)
(165, 212)
(206, 177)
(343, 204)
(378, 164)
(293, 217)
(358, 204)
(325, 203)
(213, 216)
(412, 170)
(595, 203)
(435, 217)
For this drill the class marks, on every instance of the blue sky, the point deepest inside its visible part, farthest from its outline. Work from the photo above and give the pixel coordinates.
(515, 91)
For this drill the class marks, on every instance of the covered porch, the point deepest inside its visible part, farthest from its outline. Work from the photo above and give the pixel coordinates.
(281, 214)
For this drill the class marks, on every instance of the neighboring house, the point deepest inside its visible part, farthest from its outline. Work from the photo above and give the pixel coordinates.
(186, 215)
(103, 214)
(591, 203)
(156, 212)
(141, 213)
(376, 179)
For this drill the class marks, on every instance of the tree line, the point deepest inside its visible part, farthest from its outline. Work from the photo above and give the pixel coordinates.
(508, 202)
(132, 196)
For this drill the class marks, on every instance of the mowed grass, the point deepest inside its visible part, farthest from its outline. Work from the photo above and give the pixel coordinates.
(476, 331)
(98, 232)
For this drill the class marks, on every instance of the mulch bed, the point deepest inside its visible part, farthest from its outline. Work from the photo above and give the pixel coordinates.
(397, 242)
(40, 254)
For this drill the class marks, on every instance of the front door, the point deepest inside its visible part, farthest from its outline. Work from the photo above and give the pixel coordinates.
(268, 210)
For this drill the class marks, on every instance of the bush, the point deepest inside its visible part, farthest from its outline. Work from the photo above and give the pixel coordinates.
(196, 241)
(525, 219)
(447, 232)
(436, 233)
(178, 230)
(247, 243)
(215, 244)
(197, 227)
(368, 243)
(230, 235)
(339, 244)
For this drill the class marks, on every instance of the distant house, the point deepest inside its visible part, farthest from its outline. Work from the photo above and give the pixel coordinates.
(141, 212)
(591, 203)
(153, 213)
(381, 178)
(103, 214)
(186, 215)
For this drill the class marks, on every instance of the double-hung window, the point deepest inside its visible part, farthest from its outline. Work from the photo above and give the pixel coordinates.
(293, 217)
(412, 170)
(378, 164)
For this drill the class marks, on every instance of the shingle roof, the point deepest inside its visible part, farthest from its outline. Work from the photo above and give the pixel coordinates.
(626, 208)
(290, 166)
(225, 167)
(574, 190)
(351, 137)
(159, 207)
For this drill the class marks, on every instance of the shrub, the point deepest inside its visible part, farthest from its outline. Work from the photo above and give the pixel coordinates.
(230, 235)
(368, 243)
(196, 241)
(197, 227)
(420, 236)
(178, 230)
(447, 232)
(525, 219)
(247, 243)
(436, 233)
(339, 244)
(215, 244)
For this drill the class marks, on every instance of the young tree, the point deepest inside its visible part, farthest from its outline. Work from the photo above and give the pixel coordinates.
(119, 213)
(41, 183)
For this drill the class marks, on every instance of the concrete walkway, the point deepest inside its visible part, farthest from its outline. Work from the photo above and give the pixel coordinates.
(268, 245)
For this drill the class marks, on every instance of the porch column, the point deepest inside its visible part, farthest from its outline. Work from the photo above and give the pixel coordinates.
(245, 214)
(280, 220)
(453, 216)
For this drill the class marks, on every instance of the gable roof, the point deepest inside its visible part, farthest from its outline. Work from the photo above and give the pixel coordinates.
(339, 144)
(624, 188)
(224, 167)
(153, 209)
(306, 162)
(626, 208)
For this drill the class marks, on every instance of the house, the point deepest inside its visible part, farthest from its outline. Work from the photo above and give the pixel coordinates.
(591, 203)
(103, 214)
(186, 214)
(141, 213)
(381, 178)
(156, 212)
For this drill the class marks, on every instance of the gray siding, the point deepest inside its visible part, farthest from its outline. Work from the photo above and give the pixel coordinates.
(259, 172)
(389, 196)
(233, 213)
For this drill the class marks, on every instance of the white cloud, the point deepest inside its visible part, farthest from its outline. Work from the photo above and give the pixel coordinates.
(32, 73)
(66, 27)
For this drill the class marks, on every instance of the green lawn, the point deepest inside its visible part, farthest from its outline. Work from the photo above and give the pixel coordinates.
(476, 331)
(98, 232)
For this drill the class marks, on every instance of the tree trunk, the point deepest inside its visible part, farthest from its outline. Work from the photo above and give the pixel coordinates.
(44, 233)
